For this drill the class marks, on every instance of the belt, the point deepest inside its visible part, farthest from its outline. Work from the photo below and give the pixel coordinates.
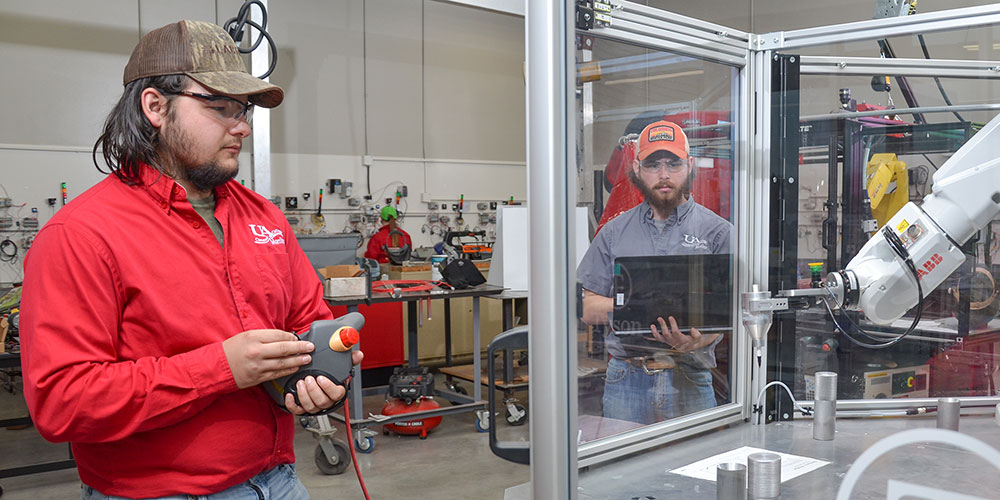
(649, 364)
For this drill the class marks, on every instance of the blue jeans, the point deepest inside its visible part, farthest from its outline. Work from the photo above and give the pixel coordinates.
(279, 483)
(633, 395)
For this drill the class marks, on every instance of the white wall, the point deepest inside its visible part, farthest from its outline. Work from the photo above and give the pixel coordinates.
(433, 92)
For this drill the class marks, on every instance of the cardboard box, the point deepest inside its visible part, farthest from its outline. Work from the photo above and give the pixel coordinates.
(344, 287)
(343, 271)
(343, 281)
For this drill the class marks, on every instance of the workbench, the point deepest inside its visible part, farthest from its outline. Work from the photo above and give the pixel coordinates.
(940, 466)
(461, 403)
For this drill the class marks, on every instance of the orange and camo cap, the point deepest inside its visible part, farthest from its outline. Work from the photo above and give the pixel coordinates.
(662, 136)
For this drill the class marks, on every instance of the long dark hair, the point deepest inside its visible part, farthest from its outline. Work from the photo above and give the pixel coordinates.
(128, 139)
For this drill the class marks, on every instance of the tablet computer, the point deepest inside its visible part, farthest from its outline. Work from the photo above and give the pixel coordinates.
(697, 290)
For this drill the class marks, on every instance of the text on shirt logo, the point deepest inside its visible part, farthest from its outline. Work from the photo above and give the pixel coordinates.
(263, 236)
(695, 243)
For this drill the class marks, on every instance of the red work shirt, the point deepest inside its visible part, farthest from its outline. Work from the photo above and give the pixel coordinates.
(127, 298)
(381, 239)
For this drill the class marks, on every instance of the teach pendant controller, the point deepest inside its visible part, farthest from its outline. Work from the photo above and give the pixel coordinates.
(331, 358)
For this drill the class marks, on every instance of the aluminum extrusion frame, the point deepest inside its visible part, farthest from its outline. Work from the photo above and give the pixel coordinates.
(969, 17)
(551, 152)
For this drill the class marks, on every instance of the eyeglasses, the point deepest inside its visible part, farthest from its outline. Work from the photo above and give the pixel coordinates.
(672, 166)
(229, 110)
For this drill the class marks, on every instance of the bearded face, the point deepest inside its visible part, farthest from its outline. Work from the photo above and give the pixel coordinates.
(199, 143)
(192, 163)
(664, 180)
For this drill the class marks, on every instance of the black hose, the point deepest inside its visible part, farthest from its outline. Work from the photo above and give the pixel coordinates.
(236, 26)
(927, 55)
(8, 250)
(900, 250)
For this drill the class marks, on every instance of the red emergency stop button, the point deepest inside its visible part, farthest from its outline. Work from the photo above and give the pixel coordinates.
(344, 338)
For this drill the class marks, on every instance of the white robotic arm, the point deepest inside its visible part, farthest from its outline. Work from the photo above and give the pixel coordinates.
(966, 197)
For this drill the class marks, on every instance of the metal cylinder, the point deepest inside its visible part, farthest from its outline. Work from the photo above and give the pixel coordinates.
(824, 420)
(996, 416)
(763, 476)
(948, 410)
(825, 409)
(826, 386)
(731, 481)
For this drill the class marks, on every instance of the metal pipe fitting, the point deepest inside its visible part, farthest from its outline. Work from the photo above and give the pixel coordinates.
(825, 406)
(948, 410)
(764, 476)
(731, 481)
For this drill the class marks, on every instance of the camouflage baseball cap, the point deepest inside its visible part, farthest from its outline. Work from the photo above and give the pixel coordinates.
(204, 52)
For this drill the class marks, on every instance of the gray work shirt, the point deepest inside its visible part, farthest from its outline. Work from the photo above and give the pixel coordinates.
(690, 229)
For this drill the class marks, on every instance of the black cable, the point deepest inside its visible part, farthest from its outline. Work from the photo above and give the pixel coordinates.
(897, 247)
(927, 55)
(236, 26)
(8, 250)
(901, 81)
(929, 161)
(920, 178)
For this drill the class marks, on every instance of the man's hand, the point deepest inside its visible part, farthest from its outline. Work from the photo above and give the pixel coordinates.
(678, 341)
(317, 393)
(257, 356)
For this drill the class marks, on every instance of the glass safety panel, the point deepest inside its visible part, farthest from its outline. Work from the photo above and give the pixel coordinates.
(656, 167)
(867, 145)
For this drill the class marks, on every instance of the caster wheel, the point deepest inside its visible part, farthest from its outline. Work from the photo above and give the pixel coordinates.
(461, 390)
(343, 459)
(482, 426)
(518, 416)
(366, 445)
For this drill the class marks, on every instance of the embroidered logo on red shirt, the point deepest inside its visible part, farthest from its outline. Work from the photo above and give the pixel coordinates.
(263, 236)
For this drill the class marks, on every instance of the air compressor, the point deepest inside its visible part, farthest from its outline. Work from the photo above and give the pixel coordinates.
(411, 389)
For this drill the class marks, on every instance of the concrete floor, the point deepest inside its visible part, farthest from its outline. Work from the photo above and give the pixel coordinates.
(454, 462)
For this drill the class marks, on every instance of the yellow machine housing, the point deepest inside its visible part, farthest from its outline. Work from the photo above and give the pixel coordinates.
(888, 186)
